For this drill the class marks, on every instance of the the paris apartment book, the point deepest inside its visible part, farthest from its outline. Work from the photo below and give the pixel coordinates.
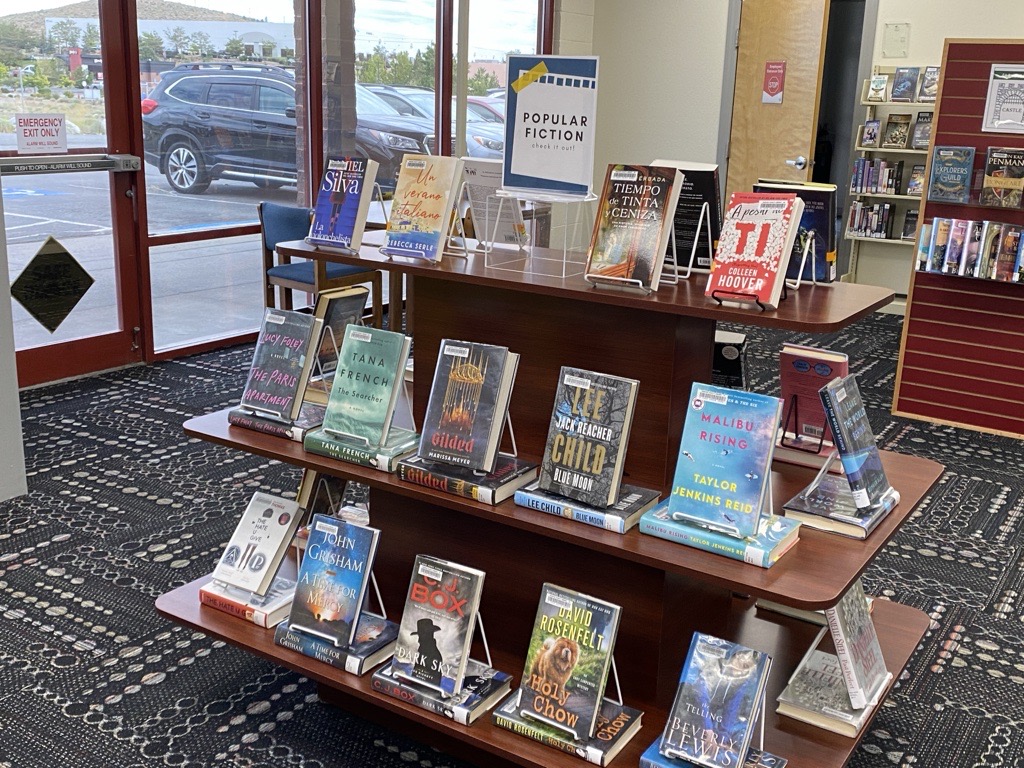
(374, 642)
(699, 188)
(857, 648)
(482, 688)
(827, 504)
(338, 308)
(280, 364)
(342, 202)
(753, 253)
(588, 435)
(721, 689)
(421, 209)
(635, 216)
(816, 232)
(438, 622)
(311, 416)
(469, 399)
(652, 758)
(259, 543)
(619, 517)
(509, 474)
(497, 220)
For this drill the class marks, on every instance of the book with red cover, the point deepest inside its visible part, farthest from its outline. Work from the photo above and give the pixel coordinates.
(753, 252)
(802, 372)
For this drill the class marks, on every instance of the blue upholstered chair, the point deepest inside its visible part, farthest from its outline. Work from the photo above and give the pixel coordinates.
(280, 223)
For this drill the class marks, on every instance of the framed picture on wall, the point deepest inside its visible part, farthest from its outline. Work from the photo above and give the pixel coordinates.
(1004, 103)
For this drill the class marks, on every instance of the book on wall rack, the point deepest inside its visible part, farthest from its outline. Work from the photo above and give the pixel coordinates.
(921, 249)
(929, 89)
(469, 397)
(716, 707)
(1004, 177)
(337, 308)
(877, 87)
(311, 416)
(904, 84)
(803, 370)
(952, 172)
(988, 250)
(952, 264)
(550, 124)
(870, 134)
(421, 209)
(281, 364)
(910, 225)
(635, 216)
(969, 263)
(827, 504)
(652, 758)
(700, 186)
(897, 131)
(494, 220)
(922, 134)
(374, 643)
(937, 244)
(588, 434)
(342, 202)
(856, 641)
(1006, 257)
(482, 688)
(753, 252)
(258, 544)
(817, 221)
(264, 611)
(633, 501)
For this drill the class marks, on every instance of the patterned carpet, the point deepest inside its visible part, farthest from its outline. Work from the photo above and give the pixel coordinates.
(123, 507)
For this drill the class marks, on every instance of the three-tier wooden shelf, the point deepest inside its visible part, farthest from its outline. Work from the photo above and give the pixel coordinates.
(667, 591)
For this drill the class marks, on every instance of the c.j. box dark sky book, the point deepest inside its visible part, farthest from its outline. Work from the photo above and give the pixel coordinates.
(342, 202)
(468, 402)
(725, 458)
(332, 578)
(588, 436)
(716, 705)
(568, 660)
(699, 187)
(437, 624)
(280, 364)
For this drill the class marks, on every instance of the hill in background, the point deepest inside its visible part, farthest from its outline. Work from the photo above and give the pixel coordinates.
(146, 9)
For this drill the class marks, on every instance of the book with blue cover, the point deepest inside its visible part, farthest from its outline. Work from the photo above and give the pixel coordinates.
(342, 202)
(652, 758)
(816, 225)
(725, 459)
(952, 174)
(721, 690)
(619, 517)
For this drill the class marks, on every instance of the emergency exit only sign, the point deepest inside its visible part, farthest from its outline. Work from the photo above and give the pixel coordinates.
(40, 134)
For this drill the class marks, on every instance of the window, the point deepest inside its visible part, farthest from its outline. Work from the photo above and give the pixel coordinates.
(189, 89)
(275, 100)
(231, 95)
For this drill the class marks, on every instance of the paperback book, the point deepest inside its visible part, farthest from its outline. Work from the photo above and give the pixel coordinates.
(482, 688)
(495, 220)
(877, 87)
(827, 504)
(860, 656)
(619, 517)
(922, 135)
(725, 458)
(264, 611)
(904, 84)
(870, 134)
(910, 226)
(588, 435)
(717, 703)
(699, 188)
(897, 131)
(816, 694)
(952, 171)
(635, 215)
(437, 624)
(510, 473)
(652, 758)
(258, 543)
(398, 444)
(421, 210)
(342, 202)
(915, 184)
(1004, 177)
(374, 643)
(816, 229)
(929, 89)
(280, 364)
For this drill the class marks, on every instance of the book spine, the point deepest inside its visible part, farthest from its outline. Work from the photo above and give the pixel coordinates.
(317, 649)
(530, 732)
(597, 519)
(417, 475)
(404, 693)
(710, 541)
(241, 419)
(325, 446)
(858, 699)
(234, 607)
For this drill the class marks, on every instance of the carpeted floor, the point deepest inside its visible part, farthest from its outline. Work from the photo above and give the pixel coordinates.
(123, 507)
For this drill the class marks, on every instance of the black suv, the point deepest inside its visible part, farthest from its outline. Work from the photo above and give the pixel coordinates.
(237, 121)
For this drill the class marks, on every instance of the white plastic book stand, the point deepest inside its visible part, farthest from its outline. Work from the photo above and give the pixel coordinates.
(832, 456)
(618, 689)
(483, 639)
(705, 219)
(810, 250)
(632, 284)
(576, 218)
(456, 229)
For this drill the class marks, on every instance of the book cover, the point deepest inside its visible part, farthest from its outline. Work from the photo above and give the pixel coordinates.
(717, 702)
(910, 226)
(469, 398)
(897, 131)
(877, 87)
(568, 660)
(311, 416)
(619, 517)
(774, 537)
(816, 227)
(616, 725)
(635, 215)
(550, 124)
(915, 184)
(482, 688)
(904, 84)
(803, 370)
(855, 441)
(938, 243)
(588, 435)
(398, 444)
(421, 208)
(509, 474)
(753, 253)
(258, 543)
(366, 384)
(969, 263)
(342, 202)
(952, 169)
(929, 89)
(338, 309)
(725, 458)
(816, 694)
(956, 247)
(652, 758)
(373, 644)
(921, 249)
(264, 611)
(870, 134)
(437, 624)
(991, 239)
(333, 577)
(828, 505)
(700, 187)
(1006, 257)
(922, 135)
(1004, 177)
(860, 656)
(495, 220)
(280, 364)
(729, 364)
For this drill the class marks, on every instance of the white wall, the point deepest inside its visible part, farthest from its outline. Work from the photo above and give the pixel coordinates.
(12, 454)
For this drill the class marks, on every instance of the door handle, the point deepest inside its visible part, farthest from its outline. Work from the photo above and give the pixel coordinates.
(259, 124)
(799, 162)
(206, 116)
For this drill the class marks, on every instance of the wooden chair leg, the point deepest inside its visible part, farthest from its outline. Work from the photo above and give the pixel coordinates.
(377, 297)
(286, 297)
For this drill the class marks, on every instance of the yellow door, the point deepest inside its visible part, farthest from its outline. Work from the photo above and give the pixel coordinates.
(771, 132)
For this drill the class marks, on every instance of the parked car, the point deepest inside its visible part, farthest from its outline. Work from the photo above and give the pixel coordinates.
(488, 109)
(236, 121)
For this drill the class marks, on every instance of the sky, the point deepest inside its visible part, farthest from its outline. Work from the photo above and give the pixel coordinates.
(496, 26)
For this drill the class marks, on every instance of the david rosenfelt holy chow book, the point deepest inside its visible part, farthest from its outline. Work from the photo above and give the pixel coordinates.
(373, 644)
(717, 703)
(482, 687)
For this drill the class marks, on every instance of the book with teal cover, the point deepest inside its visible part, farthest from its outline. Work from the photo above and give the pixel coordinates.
(367, 382)
(720, 693)
(725, 458)
(952, 174)
(332, 580)
(399, 443)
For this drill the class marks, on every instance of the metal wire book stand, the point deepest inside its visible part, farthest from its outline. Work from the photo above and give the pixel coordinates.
(810, 250)
(634, 284)
(577, 216)
(705, 220)
(793, 418)
(514, 453)
(483, 640)
(454, 222)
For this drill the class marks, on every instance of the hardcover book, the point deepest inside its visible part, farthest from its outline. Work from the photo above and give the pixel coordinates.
(421, 210)
(588, 435)
(551, 114)
(910, 226)
(482, 688)
(333, 577)
(848, 420)
(495, 220)
(729, 364)
(699, 187)
(956, 247)
(817, 227)
(904, 84)
(828, 505)
(280, 364)
(922, 135)
(374, 643)
(366, 385)
(972, 250)
(311, 416)
(860, 656)
(991, 239)
(717, 703)
(938, 243)
(509, 474)
(921, 249)
(337, 309)
(469, 398)
(816, 694)
(1006, 257)
(870, 134)
(952, 169)
(342, 202)
(803, 370)
(258, 544)
(1004, 177)
(398, 444)
(437, 624)
(929, 89)
(915, 185)
(619, 517)
(877, 87)
(753, 253)
(652, 758)
(725, 459)
(568, 660)
(635, 215)
(897, 131)
(616, 725)
(263, 611)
